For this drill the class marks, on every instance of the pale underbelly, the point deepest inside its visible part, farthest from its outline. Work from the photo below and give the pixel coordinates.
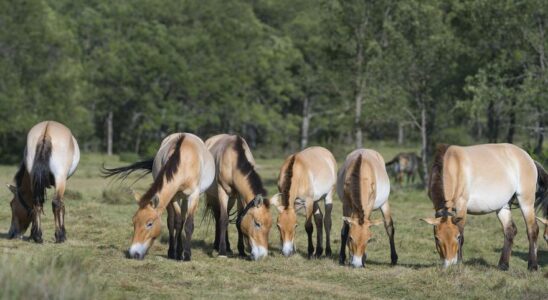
(484, 204)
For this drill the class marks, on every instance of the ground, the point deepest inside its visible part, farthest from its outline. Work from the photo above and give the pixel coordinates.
(92, 263)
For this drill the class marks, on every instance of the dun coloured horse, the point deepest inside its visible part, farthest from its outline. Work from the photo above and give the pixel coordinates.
(51, 157)
(305, 178)
(407, 164)
(479, 180)
(182, 168)
(236, 178)
(363, 186)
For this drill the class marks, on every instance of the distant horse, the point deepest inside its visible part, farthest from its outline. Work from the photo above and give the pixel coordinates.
(479, 180)
(183, 167)
(236, 178)
(363, 186)
(305, 178)
(51, 157)
(407, 164)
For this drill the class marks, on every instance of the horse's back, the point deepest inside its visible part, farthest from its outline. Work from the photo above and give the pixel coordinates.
(318, 166)
(489, 175)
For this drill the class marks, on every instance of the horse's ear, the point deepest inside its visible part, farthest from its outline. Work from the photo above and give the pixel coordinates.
(275, 200)
(374, 222)
(137, 196)
(12, 188)
(432, 221)
(258, 201)
(542, 220)
(348, 220)
(155, 201)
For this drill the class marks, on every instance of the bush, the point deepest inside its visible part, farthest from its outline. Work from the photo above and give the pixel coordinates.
(129, 157)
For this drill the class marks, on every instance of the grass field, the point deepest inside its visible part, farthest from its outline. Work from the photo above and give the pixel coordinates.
(92, 265)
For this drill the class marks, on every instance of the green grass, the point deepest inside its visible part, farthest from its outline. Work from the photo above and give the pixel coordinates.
(91, 263)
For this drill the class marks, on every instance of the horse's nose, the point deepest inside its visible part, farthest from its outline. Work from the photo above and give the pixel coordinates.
(137, 256)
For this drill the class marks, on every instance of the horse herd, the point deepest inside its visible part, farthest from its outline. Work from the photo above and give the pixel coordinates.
(463, 180)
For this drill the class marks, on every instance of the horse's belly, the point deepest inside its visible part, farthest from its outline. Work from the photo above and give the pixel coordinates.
(483, 203)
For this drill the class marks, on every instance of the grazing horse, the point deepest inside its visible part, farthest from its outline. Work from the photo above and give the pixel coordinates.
(182, 168)
(51, 157)
(363, 186)
(236, 177)
(305, 178)
(479, 180)
(407, 164)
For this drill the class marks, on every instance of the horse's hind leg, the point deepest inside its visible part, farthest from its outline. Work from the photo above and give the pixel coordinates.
(318, 219)
(510, 231)
(528, 211)
(58, 207)
(389, 226)
(171, 230)
(189, 223)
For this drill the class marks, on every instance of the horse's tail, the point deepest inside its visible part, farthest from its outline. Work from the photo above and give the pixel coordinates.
(122, 173)
(435, 183)
(40, 174)
(541, 195)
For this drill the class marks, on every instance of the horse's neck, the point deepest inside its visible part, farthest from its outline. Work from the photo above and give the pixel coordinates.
(167, 193)
(243, 187)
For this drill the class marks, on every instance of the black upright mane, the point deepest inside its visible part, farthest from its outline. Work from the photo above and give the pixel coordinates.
(247, 169)
(356, 201)
(167, 172)
(286, 185)
(435, 185)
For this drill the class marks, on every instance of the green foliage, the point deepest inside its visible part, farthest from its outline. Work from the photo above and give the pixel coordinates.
(249, 67)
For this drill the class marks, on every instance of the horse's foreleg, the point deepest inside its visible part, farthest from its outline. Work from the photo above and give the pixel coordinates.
(223, 220)
(189, 223)
(327, 225)
(318, 219)
(344, 240)
(178, 222)
(171, 230)
(58, 207)
(389, 226)
(510, 231)
(36, 229)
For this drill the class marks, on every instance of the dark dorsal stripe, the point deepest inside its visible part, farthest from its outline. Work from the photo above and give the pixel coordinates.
(247, 169)
(435, 185)
(167, 172)
(286, 184)
(356, 199)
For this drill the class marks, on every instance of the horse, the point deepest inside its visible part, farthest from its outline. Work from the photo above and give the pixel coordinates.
(482, 179)
(363, 186)
(182, 168)
(305, 178)
(236, 177)
(51, 157)
(407, 164)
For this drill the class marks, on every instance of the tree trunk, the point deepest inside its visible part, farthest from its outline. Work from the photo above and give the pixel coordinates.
(540, 134)
(512, 124)
(424, 143)
(109, 132)
(305, 125)
(492, 123)
(401, 133)
(357, 121)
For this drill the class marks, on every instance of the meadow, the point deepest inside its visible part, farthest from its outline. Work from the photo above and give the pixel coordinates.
(92, 263)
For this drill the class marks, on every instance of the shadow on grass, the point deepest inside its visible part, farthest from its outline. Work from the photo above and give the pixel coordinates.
(542, 256)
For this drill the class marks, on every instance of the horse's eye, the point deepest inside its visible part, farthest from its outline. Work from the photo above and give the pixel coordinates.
(257, 224)
(149, 225)
(350, 239)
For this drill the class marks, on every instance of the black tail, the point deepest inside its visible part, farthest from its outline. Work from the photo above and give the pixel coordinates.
(541, 196)
(122, 173)
(40, 173)
(435, 184)
(392, 161)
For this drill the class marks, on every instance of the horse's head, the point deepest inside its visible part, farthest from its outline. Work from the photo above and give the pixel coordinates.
(20, 214)
(358, 237)
(146, 228)
(545, 222)
(254, 222)
(287, 225)
(447, 236)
